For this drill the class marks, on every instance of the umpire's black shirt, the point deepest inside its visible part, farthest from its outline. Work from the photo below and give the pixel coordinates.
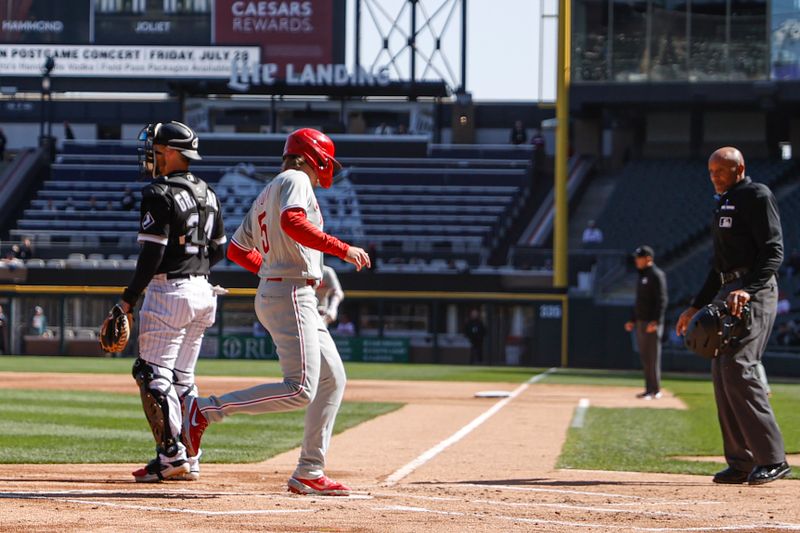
(651, 295)
(747, 235)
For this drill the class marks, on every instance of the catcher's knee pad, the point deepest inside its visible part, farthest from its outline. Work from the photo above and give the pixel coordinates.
(154, 383)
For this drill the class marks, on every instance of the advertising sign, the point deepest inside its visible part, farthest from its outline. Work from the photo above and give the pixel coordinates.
(247, 347)
(208, 62)
(373, 349)
(44, 21)
(287, 31)
(152, 22)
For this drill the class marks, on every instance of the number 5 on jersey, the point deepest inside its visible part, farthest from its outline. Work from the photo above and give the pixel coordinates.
(263, 226)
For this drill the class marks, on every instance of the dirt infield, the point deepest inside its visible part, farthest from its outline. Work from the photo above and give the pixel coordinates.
(489, 467)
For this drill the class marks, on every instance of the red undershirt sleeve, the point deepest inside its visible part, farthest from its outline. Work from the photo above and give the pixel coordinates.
(295, 224)
(247, 259)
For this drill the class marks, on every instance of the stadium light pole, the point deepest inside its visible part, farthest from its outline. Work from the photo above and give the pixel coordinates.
(560, 235)
(47, 68)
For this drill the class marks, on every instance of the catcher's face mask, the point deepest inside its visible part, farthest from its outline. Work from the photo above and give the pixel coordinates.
(714, 331)
(147, 157)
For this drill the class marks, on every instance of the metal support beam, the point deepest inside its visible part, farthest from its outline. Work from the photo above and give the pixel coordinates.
(560, 242)
(463, 46)
(560, 237)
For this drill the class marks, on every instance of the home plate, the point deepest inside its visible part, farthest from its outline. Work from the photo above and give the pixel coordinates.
(493, 394)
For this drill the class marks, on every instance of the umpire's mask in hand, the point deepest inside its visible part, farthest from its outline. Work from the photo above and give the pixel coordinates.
(713, 329)
(704, 334)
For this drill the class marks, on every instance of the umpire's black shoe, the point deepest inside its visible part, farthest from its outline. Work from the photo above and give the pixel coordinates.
(767, 473)
(731, 476)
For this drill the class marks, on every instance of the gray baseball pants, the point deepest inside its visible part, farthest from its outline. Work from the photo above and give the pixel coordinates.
(750, 434)
(650, 353)
(313, 373)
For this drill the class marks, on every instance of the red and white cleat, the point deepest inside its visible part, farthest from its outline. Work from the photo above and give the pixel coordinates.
(322, 486)
(194, 424)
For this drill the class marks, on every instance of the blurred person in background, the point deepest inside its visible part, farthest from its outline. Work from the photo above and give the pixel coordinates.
(518, 134)
(592, 234)
(648, 319)
(329, 295)
(475, 331)
(3, 322)
(68, 133)
(38, 321)
(3, 142)
(345, 327)
(24, 251)
(128, 201)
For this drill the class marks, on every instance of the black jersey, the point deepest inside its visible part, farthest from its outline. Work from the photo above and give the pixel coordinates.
(651, 295)
(182, 213)
(747, 236)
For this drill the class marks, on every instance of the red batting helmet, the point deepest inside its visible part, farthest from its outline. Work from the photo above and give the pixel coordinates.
(317, 149)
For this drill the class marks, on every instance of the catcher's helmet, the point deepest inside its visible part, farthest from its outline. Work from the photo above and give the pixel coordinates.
(318, 151)
(175, 135)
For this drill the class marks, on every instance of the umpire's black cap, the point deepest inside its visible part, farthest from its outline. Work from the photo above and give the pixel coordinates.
(643, 251)
(177, 136)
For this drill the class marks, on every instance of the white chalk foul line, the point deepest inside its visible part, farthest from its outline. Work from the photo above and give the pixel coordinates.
(128, 493)
(409, 509)
(162, 509)
(463, 432)
(501, 503)
(580, 413)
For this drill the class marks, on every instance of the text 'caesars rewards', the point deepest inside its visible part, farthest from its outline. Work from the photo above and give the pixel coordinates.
(265, 16)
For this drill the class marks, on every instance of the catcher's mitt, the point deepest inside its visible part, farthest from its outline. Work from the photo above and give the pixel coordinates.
(116, 330)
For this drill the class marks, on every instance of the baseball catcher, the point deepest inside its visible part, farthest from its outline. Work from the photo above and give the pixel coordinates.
(181, 233)
(116, 330)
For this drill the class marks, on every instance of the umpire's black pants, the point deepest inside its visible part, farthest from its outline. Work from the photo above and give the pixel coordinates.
(751, 436)
(650, 353)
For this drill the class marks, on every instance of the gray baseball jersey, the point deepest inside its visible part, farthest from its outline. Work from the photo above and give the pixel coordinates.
(261, 228)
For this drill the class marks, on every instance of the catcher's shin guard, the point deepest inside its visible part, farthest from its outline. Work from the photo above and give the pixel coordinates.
(155, 404)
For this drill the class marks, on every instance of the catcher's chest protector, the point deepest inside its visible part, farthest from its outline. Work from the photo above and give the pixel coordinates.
(191, 201)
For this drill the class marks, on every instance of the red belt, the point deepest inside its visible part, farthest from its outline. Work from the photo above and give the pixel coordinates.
(308, 281)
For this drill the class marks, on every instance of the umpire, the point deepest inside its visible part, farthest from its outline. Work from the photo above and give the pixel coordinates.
(648, 319)
(748, 249)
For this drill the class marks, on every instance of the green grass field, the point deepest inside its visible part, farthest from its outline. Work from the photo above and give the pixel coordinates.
(68, 426)
(270, 369)
(92, 427)
(647, 440)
